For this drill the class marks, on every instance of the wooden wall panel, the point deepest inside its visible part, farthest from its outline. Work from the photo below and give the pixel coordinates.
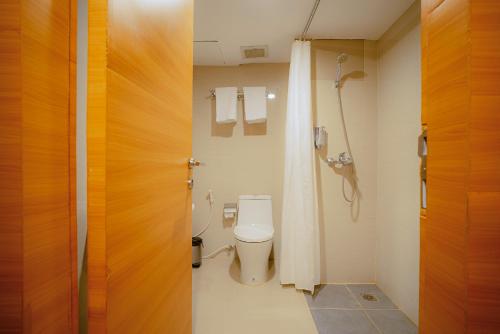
(46, 192)
(96, 166)
(36, 166)
(485, 101)
(484, 188)
(447, 123)
(483, 263)
(485, 143)
(460, 288)
(11, 238)
(139, 134)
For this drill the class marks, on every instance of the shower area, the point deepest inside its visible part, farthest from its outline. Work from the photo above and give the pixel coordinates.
(365, 110)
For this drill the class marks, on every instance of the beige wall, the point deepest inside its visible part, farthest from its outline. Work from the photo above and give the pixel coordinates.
(347, 232)
(248, 159)
(240, 159)
(398, 175)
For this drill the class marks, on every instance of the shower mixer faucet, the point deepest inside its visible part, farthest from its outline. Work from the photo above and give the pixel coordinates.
(343, 160)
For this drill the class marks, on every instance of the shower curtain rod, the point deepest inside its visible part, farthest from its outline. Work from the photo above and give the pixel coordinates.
(309, 20)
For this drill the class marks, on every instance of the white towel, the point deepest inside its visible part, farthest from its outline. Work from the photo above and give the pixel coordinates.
(226, 104)
(255, 104)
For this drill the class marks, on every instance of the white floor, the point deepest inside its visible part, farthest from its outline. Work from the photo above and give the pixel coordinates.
(221, 305)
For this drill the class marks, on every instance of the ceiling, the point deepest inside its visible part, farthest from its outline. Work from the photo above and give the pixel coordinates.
(226, 25)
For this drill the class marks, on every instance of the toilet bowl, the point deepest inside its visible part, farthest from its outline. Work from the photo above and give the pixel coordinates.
(254, 237)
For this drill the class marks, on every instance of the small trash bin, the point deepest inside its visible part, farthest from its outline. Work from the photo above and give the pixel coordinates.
(197, 242)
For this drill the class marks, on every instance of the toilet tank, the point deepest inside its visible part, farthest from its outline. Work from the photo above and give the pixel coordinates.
(255, 209)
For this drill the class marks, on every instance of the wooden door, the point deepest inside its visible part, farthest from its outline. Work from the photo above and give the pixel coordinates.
(38, 287)
(139, 142)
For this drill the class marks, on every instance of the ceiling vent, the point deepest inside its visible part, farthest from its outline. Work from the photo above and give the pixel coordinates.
(252, 52)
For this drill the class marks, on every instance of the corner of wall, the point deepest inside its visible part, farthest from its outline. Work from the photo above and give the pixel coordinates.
(398, 114)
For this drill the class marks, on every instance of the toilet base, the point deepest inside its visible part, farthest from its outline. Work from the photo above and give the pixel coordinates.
(254, 261)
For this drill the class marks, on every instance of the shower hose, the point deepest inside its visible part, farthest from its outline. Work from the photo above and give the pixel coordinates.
(346, 138)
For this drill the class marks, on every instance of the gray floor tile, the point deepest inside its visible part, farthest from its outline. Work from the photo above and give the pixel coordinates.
(342, 322)
(332, 296)
(381, 301)
(392, 322)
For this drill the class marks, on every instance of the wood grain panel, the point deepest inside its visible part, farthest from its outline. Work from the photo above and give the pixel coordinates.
(484, 196)
(96, 165)
(46, 191)
(139, 141)
(147, 238)
(146, 106)
(483, 263)
(485, 102)
(447, 105)
(447, 64)
(36, 164)
(485, 47)
(485, 143)
(460, 288)
(11, 237)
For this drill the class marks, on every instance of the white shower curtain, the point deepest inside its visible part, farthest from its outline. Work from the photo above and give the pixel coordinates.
(299, 261)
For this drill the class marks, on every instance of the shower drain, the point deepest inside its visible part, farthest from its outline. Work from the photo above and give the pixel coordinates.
(369, 297)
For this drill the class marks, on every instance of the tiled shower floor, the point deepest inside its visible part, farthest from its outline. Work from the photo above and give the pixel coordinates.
(341, 309)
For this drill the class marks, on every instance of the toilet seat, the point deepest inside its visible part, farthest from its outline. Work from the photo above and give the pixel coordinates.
(253, 233)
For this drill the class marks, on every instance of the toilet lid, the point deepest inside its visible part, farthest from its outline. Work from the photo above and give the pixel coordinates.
(253, 233)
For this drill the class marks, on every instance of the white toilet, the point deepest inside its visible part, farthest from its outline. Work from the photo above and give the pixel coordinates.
(254, 237)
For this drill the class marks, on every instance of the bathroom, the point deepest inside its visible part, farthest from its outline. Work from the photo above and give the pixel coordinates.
(232, 166)
(356, 240)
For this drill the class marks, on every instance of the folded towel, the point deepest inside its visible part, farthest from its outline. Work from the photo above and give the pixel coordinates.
(226, 104)
(255, 104)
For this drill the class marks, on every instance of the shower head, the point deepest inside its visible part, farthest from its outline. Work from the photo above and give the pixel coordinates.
(342, 57)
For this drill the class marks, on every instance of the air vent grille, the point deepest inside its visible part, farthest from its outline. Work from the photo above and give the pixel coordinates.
(252, 52)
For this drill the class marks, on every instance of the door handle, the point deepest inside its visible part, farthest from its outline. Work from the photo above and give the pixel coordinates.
(192, 162)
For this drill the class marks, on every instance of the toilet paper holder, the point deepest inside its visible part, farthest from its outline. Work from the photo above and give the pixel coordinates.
(230, 210)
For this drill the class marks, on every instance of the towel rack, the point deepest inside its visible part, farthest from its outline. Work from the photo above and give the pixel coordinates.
(269, 95)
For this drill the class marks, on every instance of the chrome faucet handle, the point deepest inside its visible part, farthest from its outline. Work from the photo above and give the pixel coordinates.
(332, 161)
(192, 162)
(343, 160)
